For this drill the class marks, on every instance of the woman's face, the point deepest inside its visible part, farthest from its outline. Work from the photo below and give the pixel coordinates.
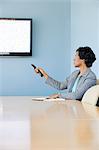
(77, 61)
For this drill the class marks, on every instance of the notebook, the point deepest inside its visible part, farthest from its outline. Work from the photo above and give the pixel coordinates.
(47, 99)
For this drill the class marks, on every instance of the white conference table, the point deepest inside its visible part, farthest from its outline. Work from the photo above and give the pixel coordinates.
(47, 125)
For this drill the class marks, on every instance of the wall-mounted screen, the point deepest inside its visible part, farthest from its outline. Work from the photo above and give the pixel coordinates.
(15, 37)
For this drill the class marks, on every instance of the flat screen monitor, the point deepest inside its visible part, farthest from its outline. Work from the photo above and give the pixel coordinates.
(15, 37)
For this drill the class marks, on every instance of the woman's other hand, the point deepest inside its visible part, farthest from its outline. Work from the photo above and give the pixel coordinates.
(54, 96)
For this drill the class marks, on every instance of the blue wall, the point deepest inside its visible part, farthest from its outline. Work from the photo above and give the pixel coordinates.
(85, 28)
(51, 47)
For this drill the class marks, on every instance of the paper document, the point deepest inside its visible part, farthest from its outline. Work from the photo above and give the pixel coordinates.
(54, 99)
(47, 99)
(39, 98)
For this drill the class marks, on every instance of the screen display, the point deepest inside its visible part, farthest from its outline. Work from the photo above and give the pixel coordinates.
(15, 37)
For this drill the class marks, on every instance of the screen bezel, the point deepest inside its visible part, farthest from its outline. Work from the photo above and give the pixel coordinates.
(17, 53)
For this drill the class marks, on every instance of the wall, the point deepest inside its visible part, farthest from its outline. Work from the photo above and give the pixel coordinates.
(51, 46)
(85, 28)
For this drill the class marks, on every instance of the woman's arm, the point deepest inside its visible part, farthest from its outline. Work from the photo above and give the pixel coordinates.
(52, 82)
(56, 84)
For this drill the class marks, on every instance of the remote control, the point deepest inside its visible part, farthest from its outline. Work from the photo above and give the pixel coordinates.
(38, 70)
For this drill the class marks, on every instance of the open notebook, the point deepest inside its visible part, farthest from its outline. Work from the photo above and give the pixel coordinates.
(47, 99)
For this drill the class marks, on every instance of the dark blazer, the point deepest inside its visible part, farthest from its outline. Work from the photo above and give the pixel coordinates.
(87, 80)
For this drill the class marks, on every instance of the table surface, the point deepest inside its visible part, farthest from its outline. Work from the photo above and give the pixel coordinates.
(47, 125)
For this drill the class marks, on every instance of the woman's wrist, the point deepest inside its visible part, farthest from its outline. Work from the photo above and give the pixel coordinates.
(45, 75)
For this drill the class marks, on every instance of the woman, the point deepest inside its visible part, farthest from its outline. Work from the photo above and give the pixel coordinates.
(79, 81)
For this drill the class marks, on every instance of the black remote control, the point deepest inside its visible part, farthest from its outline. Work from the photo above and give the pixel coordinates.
(38, 70)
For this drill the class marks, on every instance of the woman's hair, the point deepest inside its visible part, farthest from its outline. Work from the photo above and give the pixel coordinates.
(87, 54)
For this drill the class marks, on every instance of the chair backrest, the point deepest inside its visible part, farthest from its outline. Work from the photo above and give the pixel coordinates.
(91, 96)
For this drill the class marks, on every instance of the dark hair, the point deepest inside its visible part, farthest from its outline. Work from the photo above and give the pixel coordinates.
(87, 54)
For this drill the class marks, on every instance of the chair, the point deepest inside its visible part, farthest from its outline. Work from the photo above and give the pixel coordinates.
(91, 96)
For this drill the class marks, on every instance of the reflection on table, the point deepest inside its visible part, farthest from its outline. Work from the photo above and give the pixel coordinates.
(34, 125)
